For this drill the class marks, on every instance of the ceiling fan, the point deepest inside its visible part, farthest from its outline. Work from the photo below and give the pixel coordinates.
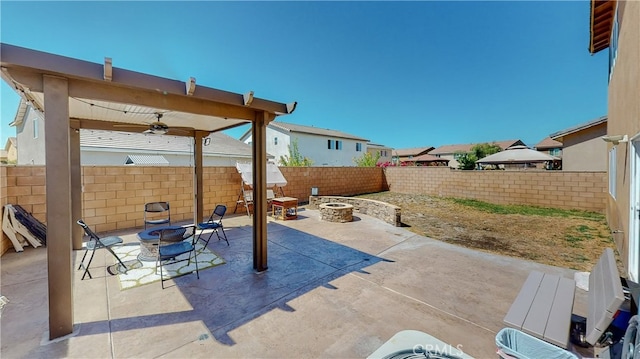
(158, 127)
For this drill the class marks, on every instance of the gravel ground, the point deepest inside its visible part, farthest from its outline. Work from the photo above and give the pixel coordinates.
(571, 241)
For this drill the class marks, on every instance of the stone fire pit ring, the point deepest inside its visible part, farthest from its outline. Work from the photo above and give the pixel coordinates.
(336, 212)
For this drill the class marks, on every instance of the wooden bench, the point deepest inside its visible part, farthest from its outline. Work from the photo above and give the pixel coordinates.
(544, 304)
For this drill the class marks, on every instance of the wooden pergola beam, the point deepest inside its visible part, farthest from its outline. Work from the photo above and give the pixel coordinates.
(60, 78)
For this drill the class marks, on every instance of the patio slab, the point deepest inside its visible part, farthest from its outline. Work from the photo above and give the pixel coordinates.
(331, 290)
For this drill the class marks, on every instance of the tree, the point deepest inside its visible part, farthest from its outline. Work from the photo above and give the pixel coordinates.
(467, 160)
(367, 159)
(295, 158)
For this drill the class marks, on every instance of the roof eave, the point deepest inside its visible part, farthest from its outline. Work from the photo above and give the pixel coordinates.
(557, 136)
(601, 20)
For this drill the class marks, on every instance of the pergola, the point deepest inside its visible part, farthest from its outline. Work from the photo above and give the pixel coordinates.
(74, 94)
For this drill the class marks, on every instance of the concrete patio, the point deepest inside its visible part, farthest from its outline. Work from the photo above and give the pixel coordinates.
(337, 290)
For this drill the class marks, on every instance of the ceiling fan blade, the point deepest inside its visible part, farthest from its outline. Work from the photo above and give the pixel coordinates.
(180, 131)
(129, 125)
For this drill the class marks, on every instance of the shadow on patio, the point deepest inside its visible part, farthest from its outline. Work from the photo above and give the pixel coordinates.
(332, 290)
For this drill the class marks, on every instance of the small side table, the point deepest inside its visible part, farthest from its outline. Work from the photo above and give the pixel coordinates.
(284, 208)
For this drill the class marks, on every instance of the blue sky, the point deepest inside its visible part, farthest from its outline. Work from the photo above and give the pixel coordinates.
(402, 74)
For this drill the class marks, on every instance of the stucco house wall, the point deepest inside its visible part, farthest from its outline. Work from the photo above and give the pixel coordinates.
(585, 150)
(313, 146)
(316, 148)
(385, 152)
(112, 157)
(624, 118)
(30, 136)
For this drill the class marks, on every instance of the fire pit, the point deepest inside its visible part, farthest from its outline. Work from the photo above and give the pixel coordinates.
(336, 212)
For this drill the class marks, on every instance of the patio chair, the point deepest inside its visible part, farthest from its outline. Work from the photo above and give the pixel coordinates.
(156, 213)
(170, 251)
(214, 223)
(245, 199)
(270, 196)
(95, 243)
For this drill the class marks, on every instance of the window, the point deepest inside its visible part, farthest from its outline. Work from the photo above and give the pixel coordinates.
(330, 144)
(275, 141)
(358, 146)
(612, 172)
(35, 127)
(554, 152)
(613, 42)
(338, 145)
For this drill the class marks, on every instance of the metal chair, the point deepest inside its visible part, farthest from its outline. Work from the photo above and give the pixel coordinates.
(96, 243)
(214, 223)
(170, 251)
(153, 211)
(245, 198)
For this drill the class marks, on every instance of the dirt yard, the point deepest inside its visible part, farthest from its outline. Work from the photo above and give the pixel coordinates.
(570, 239)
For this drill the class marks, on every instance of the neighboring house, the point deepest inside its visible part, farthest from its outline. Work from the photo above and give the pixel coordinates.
(114, 148)
(29, 124)
(407, 154)
(549, 147)
(616, 25)
(448, 152)
(323, 146)
(384, 151)
(582, 146)
(552, 148)
(117, 148)
(426, 160)
(10, 152)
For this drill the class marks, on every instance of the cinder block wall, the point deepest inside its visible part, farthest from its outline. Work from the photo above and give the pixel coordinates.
(114, 196)
(557, 189)
(332, 181)
(5, 244)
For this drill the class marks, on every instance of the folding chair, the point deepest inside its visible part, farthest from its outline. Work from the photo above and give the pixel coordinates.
(270, 196)
(171, 251)
(245, 198)
(96, 243)
(214, 222)
(152, 213)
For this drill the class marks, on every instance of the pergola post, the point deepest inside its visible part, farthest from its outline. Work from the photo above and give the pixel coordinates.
(198, 202)
(76, 182)
(59, 175)
(259, 137)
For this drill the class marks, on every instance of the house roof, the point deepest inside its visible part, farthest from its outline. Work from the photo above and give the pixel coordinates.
(291, 127)
(547, 143)
(20, 112)
(601, 22)
(148, 160)
(375, 145)
(451, 149)
(583, 126)
(416, 151)
(429, 158)
(11, 142)
(219, 143)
